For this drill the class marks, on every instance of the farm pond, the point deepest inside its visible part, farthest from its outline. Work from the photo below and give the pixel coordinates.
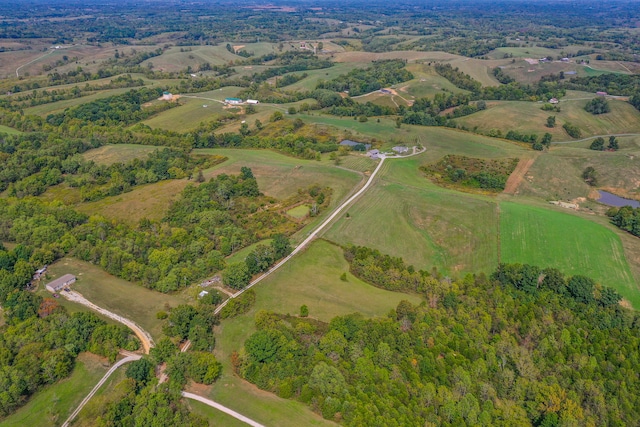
(617, 201)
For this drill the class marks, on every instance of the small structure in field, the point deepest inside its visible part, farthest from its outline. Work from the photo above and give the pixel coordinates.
(400, 150)
(233, 101)
(202, 294)
(354, 144)
(601, 93)
(253, 101)
(39, 273)
(61, 282)
(553, 101)
(374, 154)
(167, 96)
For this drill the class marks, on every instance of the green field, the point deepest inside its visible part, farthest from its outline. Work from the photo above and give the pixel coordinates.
(121, 153)
(549, 238)
(117, 295)
(57, 107)
(191, 112)
(175, 60)
(53, 404)
(299, 212)
(215, 417)
(311, 278)
(8, 130)
(316, 76)
(528, 117)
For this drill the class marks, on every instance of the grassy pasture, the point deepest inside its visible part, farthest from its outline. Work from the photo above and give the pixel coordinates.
(117, 295)
(358, 163)
(57, 107)
(175, 60)
(528, 117)
(479, 69)
(426, 83)
(215, 417)
(299, 212)
(425, 226)
(315, 76)
(110, 154)
(53, 404)
(409, 55)
(575, 245)
(191, 112)
(311, 278)
(8, 130)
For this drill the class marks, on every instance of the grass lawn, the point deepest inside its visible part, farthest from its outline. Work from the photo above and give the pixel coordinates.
(110, 154)
(8, 130)
(311, 278)
(53, 404)
(117, 295)
(528, 117)
(575, 245)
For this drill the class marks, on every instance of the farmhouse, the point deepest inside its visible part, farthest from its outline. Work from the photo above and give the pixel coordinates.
(353, 144)
(61, 283)
(233, 101)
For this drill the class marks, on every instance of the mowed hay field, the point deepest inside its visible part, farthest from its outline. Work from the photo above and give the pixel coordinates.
(174, 60)
(574, 245)
(452, 231)
(311, 278)
(316, 76)
(53, 404)
(528, 117)
(121, 153)
(117, 295)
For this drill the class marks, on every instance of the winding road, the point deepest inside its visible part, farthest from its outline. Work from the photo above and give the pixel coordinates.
(221, 408)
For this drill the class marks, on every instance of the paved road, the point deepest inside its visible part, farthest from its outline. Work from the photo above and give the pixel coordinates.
(106, 376)
(143, 336)
(224, 409)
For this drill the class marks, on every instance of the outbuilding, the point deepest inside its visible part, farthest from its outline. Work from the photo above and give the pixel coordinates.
(253, 101)
(233, 101)
(61, 282)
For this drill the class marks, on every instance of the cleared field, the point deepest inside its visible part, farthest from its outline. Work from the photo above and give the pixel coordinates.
(427, 83)
(192, 112)
(427, 227)
(299, 212)
(479, 69)
(110, 154)
(119, 296)
(438, 141)
(215, 417)
(57, 107)
(53, 404)
(549, 238)
(242, 253)
(312, 278)
(409, 55)
(316, 76)
(9, 131)
(528, 117)
(358, 163)
(179, 58)
(525, 72)
(281, 176)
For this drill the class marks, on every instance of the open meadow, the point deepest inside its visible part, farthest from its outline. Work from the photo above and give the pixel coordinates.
(121, 153)
(53, 404)
(528, 117)
(117, 295)
(574, 245)
(311, 278)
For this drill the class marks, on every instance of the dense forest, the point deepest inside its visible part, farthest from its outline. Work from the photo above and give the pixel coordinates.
(525, 346)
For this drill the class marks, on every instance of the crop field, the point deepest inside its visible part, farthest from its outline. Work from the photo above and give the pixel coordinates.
(574, 245)
(110, 154)
(311, 278)
(53, 404)
(117, 295)
(528, 117)
(192, 112)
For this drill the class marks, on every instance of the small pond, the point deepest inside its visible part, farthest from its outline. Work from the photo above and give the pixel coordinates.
(613, 200)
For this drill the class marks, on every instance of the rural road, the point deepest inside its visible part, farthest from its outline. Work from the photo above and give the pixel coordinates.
(93, 391)
(143, 336)
(221, 408)
(318, 229)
